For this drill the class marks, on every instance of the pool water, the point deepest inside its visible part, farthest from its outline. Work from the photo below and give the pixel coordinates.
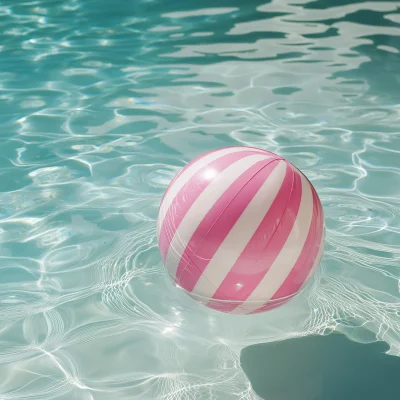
(103, 102)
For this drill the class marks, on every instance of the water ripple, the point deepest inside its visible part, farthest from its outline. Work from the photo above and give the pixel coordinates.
(102, 104)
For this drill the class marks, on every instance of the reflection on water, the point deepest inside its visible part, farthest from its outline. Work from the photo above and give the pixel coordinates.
(102, 102)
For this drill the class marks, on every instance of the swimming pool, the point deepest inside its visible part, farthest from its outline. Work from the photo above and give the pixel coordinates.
(102, 102)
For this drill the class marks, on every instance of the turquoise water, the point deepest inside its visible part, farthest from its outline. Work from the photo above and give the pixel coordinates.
(102, 102)
(322, 368)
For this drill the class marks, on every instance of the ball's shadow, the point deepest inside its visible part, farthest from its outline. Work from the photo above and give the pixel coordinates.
(322, 368)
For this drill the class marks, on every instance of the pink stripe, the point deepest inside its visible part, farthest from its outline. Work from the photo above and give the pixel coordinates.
(219, 221)
(266, 243)
(201, 156)
(198, 158)
(221, 305)
(304, 263)
(188, 195)
(270, 305)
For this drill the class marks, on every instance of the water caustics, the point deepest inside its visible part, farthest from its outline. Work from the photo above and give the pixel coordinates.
(101, 103)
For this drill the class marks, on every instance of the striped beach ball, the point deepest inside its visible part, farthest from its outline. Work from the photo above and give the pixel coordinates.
(241, 230)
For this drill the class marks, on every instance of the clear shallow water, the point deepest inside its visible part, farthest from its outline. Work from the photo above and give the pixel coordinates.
(101, 103)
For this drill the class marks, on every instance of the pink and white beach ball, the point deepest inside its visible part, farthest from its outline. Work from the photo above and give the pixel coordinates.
(241, 230)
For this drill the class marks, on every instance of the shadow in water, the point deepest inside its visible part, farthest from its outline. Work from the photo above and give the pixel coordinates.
(322, 368)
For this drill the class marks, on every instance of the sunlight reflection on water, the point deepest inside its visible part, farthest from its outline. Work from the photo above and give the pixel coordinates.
(101, 104)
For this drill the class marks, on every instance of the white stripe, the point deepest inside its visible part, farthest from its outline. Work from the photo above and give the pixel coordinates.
(202, 206)
(187, 174)
(289, 254)
(241, 233)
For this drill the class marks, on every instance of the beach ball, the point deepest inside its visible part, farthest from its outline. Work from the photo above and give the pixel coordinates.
(241, 230)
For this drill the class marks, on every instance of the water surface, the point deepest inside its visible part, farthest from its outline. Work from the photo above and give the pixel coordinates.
(102, 102)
